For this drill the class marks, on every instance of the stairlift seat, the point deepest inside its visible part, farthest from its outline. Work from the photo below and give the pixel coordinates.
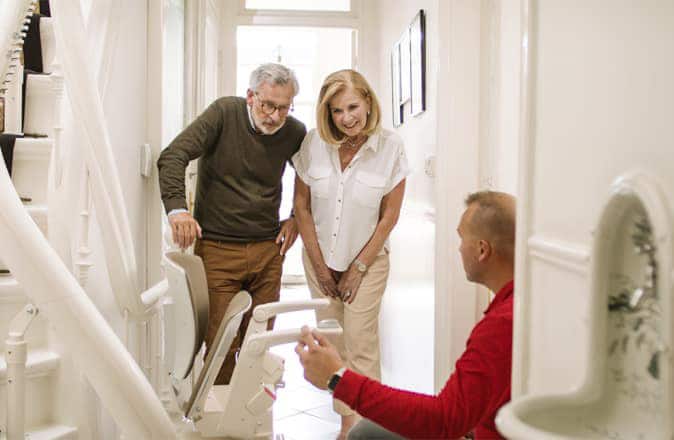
(187, 319)
(242, 409)
(229, 326)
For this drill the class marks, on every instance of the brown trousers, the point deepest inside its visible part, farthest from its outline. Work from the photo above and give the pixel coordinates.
(230, 268)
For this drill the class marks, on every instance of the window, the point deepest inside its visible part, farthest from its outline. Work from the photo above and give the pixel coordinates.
(300, 5)
(312, 53)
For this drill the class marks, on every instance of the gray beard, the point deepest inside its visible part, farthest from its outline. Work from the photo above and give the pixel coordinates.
(264, 130)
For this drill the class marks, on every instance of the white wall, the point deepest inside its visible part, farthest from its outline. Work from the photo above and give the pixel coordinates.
(601, 103)
(406, 321)
(470, 129)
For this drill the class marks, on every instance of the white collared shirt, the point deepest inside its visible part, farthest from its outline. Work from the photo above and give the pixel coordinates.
(345, 205)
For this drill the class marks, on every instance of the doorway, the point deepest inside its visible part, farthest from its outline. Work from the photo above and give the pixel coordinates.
(312, 53)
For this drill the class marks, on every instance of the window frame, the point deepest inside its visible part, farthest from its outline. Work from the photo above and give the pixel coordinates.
(306, 18)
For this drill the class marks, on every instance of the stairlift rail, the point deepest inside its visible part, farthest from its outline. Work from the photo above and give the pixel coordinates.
(95, 347)
(17, 354)
(106, 189)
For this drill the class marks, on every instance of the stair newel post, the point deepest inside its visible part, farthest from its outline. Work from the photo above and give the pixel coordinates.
(17, 354)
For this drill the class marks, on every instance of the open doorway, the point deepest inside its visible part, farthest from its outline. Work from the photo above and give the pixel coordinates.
(313, 53)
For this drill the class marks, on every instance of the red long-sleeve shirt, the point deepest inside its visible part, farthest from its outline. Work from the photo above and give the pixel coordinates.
(479, 386)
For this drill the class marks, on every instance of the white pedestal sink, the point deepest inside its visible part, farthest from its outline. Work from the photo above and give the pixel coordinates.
(627, 392)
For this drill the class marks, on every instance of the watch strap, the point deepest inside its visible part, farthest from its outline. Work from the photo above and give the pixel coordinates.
(362, 267)
(334, 379)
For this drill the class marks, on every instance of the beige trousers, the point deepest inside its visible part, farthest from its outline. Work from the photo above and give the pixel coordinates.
(359, 344)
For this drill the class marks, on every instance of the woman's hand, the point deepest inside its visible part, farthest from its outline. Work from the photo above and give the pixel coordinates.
(326, 282)
(349, 284)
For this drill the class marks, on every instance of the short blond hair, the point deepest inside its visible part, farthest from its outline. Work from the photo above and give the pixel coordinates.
(334, 84)
(494, 219)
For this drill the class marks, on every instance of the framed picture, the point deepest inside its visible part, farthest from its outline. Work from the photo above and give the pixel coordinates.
(405, 67)
(395, 86)
(418, 62)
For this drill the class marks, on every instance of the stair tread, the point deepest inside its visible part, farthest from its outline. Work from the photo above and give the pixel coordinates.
(38, 208)
(10, 290)
(40, 363)
(49, 432)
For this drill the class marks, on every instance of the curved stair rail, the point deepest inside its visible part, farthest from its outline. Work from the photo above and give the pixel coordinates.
(106, 187)
(95, 347)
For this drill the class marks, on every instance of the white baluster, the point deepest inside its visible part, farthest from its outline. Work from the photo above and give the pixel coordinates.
(58, 88)
(17, 354)
(83, 263)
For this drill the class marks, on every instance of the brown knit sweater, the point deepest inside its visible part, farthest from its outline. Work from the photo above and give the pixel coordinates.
(240, 171)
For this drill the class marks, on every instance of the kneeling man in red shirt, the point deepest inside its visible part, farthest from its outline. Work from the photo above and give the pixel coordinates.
(480, 383)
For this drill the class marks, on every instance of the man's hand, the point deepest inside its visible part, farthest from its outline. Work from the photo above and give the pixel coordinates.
(185, 229)
(288, 234)
(318, 357)
(349, 284)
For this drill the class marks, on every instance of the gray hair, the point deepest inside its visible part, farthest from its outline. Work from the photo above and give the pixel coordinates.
(274, 74)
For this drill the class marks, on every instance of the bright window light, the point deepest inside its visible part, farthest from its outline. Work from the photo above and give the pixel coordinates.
(312, 53)
(300, 5)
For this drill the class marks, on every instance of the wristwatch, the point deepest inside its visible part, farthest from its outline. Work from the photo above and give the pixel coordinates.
(360, 266)
(334, 380)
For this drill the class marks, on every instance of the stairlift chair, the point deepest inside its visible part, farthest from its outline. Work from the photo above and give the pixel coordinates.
(242, 409)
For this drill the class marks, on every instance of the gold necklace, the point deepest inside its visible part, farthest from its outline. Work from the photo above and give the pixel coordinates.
(355, 142)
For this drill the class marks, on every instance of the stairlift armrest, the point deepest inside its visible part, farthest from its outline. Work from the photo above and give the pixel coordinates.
(264, 312)
(258, 343)
(154, 293)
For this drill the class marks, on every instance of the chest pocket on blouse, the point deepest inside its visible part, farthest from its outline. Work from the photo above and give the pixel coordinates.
(319, 181)
(369, 189)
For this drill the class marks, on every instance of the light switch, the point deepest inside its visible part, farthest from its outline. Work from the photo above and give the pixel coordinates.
(429, 166)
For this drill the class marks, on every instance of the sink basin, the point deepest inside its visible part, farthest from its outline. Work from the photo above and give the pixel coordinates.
(627, 391)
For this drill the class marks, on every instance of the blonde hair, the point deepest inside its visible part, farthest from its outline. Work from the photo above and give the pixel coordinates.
(334, 84)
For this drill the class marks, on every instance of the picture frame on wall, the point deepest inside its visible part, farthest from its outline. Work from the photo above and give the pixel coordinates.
(418, 63)
(397, 108)
(405, 67)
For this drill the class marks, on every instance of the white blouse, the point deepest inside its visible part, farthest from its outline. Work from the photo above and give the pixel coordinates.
(345, 205)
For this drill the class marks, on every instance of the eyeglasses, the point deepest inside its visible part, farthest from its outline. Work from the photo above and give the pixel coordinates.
(268, 108)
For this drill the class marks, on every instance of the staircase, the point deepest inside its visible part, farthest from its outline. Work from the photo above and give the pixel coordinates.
(80, 378)
(31, 107)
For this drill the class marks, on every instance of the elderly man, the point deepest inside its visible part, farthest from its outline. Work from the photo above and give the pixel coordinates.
(480, 384)
(244, 144)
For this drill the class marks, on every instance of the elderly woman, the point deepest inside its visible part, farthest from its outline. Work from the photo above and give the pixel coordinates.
(348, 193)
